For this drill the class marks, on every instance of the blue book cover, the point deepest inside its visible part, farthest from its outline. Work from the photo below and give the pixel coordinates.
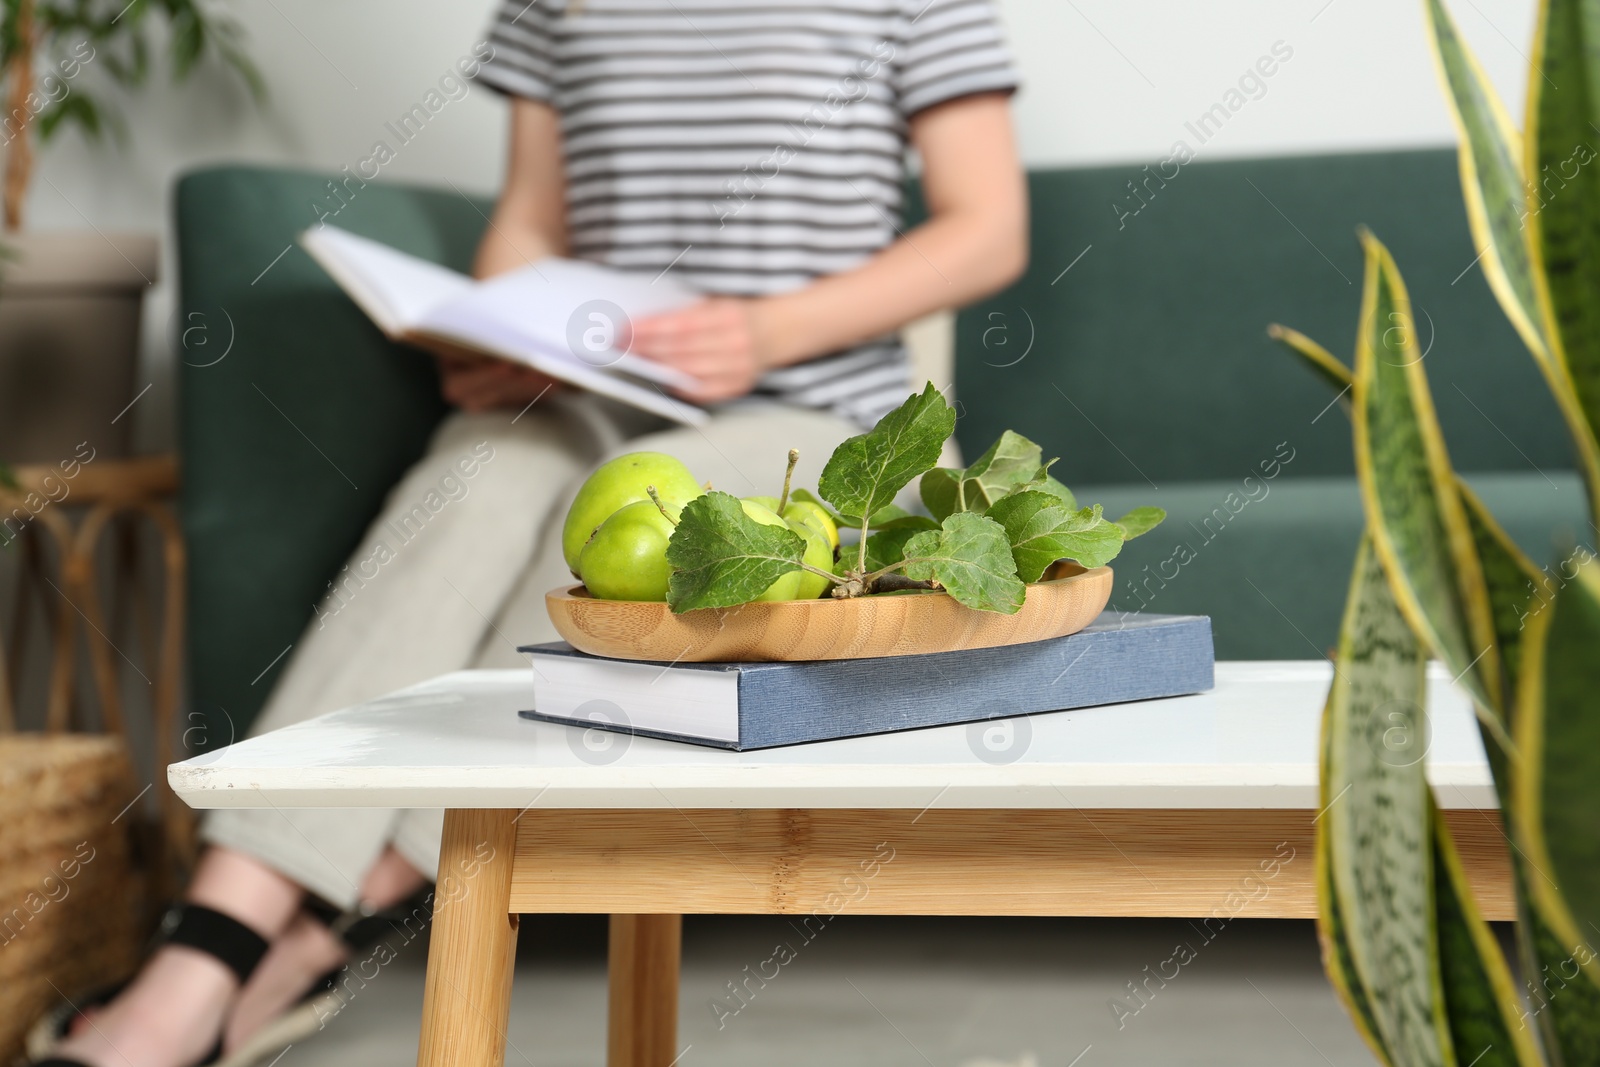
(1117, 658)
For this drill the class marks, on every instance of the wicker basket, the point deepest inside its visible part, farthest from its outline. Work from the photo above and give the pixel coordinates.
(72, 906)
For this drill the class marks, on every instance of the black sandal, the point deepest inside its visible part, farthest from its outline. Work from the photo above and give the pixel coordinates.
(196, 926)
(360, 929)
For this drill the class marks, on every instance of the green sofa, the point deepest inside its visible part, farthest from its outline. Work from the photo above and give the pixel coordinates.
(1134, 348)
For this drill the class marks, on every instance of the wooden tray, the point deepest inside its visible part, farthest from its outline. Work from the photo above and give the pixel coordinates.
(896, 625)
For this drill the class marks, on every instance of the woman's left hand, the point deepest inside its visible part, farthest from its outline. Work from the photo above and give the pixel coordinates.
(717, 340)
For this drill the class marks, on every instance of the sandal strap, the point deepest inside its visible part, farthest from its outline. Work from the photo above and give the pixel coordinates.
(360, 927)
(220, 936)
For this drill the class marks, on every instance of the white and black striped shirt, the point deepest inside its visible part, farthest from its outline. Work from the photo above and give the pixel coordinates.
(748, 145)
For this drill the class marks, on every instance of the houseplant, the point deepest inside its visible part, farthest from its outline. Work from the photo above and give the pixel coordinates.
(69, 300)
(1403, 941)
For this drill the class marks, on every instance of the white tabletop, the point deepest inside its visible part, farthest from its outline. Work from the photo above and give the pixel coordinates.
(457, 741)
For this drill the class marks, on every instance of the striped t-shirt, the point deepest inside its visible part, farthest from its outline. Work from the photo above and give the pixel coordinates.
(749, 146)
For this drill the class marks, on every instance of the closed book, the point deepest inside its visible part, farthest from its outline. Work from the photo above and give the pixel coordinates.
(1117, 658)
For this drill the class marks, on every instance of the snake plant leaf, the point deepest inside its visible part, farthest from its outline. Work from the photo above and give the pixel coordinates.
(1483, 1006)
(1418, 523)
(1378, 825)
(1555, 791)
(1516, 588)
(1563, 1001)
(1332, 930)
(1563, 209)
(1492, 181)
(1322, 362)
(866, 471)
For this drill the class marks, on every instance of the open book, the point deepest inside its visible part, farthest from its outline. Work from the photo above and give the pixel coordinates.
(558, 316)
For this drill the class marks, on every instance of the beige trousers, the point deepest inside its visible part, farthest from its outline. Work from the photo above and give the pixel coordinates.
(453, 573)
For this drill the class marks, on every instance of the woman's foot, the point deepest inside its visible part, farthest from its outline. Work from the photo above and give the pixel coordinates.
(169, 1016)
(307, 950)
(304, 952)
(173, 1011)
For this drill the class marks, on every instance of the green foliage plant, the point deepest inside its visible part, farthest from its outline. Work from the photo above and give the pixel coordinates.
(1436, 577)
(992, 527)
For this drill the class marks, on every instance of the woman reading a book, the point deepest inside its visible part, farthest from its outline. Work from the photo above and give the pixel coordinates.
(755, 151)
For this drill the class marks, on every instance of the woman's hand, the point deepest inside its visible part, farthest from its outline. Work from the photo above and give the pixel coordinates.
(717, 340)
(476, 383)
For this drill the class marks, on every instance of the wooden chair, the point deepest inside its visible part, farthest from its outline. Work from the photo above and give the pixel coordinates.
(99, 515)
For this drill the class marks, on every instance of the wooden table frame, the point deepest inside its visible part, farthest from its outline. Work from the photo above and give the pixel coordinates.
(646, 868)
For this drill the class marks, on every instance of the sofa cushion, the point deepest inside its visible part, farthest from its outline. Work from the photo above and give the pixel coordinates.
(292, 439)
(1269, 560)
(1149, 358)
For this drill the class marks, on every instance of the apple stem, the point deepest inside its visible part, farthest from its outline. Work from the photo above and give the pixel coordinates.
(794, 457)
(655, 496)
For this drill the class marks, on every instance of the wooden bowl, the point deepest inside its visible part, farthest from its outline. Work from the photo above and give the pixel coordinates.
(894, 625)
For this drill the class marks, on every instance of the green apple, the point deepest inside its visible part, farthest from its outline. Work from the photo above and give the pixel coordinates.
(806, 510)
(626, 559)
(768, 502)
(618, 483)
(787, 587)
(819, 554)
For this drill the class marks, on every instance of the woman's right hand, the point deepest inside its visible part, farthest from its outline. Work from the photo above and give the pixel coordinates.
(477, 383)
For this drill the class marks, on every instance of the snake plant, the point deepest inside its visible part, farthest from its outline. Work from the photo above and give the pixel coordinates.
(1404, 941)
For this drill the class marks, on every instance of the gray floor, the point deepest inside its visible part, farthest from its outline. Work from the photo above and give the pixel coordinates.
(939, 992)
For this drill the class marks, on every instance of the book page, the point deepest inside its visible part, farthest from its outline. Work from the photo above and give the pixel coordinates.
(565, 310)
(542, 315)
(395, 289)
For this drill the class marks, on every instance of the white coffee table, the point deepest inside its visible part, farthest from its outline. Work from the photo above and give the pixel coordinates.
(1200, 806)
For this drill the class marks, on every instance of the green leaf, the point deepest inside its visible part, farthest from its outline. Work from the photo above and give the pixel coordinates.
(1516, 588)
(1141, 521)
(1418, 522)
(1040, 530)
(1011, 464)
(722, 557)
(1555, 789)
(1332, 923)
(1379, 829)
(865, 472)
(888, 547)
(903, 522)
(1484, 1009)
(940, 490)
(1059, 491)
(187, 42)
(1322, 362)
(1563, 205)
(1566, 1010)
(1491, 177)
(970, 557)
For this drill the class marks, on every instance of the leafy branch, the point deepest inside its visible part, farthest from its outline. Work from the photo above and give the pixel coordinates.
(992, 528)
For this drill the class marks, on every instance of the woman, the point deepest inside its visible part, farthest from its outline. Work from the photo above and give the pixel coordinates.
(754, 150)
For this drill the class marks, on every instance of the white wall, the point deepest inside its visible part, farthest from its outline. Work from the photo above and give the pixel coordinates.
(1107, 81)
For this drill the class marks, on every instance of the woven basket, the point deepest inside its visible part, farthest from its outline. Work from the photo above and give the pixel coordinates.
(72, 906)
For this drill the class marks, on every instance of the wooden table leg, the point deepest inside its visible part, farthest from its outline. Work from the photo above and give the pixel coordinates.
(643, 961)
(466, 1000)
